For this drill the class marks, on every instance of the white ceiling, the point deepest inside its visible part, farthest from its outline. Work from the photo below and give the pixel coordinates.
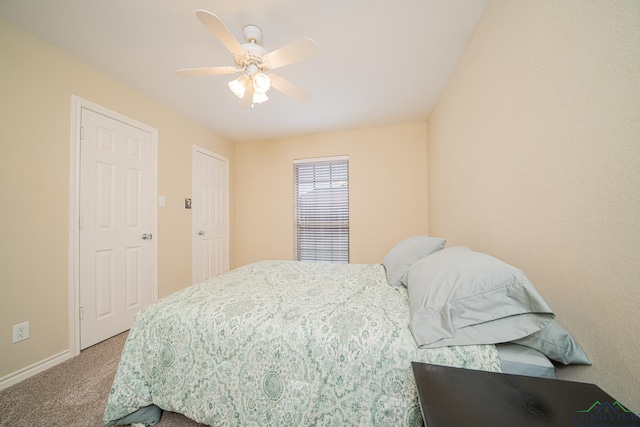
(380, 62)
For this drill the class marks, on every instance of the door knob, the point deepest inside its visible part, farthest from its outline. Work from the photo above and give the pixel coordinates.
(201, 233)
(146, 236)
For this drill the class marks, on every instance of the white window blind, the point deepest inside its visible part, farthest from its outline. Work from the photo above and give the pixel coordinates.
(322, 209)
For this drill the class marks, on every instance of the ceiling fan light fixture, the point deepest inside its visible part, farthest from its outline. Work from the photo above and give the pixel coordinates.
(259, 98)
(261, 83)
(239, 85)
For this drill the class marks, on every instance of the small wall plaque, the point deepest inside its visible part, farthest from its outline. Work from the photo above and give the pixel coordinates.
(187, 203)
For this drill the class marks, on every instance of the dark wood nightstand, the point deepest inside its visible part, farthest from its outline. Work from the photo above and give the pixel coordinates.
(456, 397)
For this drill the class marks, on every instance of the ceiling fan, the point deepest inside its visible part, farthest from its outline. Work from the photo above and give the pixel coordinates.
(253, 61)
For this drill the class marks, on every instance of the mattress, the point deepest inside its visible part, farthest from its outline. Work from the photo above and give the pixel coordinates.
(520, 360)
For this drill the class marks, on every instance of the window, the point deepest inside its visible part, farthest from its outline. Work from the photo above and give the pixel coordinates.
(321, 203)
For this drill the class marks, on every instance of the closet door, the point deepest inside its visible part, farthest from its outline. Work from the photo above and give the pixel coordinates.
(115, 226)
(211, 213)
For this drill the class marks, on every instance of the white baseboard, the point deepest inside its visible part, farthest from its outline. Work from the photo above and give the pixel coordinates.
(36, 368)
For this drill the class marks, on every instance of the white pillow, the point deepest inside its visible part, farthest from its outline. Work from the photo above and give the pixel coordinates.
(406, 253)
(461, 297)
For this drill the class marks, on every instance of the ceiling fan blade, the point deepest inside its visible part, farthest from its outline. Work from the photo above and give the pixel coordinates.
(206, 71)
(291, 53)
(247, 100)
(289, 89)
(222, 33)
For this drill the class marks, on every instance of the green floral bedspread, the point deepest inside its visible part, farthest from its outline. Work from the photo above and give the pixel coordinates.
(281, 343)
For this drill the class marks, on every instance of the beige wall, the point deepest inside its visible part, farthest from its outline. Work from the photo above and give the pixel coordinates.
(387, 190)
(534, 157)
(36, 84)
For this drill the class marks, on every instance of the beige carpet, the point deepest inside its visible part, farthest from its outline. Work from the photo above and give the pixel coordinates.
(73, 393)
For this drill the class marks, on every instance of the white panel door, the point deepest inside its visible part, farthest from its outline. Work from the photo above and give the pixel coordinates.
(115, 214)
(211, 213)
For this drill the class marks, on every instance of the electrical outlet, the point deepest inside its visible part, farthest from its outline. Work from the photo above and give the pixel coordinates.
(20, 332)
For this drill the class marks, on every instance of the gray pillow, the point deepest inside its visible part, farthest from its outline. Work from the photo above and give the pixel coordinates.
(557, 344)
(461, 297)
(404, 254)
(520, 360)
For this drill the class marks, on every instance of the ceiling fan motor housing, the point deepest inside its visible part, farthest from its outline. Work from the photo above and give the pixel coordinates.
(251, 61)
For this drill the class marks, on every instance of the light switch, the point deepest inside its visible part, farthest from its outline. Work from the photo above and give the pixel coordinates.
(161, 200)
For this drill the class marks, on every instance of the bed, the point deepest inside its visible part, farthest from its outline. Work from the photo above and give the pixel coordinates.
(282, 343)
